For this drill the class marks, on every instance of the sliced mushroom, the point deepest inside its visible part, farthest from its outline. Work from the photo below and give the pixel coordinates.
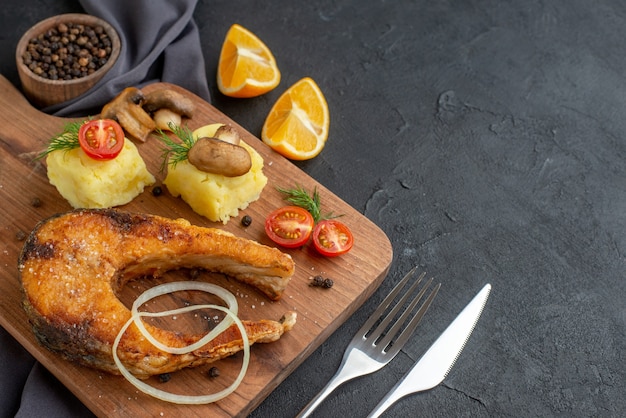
(228, 134)
(212, 155)
(126, 109)
(175, 103)
(165, 119)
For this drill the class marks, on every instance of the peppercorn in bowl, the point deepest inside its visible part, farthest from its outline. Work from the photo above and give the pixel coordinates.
(62, 57)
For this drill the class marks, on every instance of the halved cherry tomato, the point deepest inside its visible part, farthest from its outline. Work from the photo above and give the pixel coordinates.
(101, 139)
(332, 238)
(289, 226)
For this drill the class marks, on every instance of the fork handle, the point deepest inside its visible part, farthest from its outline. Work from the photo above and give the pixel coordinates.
(354, 364)
(323, 394)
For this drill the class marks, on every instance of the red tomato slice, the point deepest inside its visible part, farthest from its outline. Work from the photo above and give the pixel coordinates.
(101, 139)
(332, 238)
(289, 226)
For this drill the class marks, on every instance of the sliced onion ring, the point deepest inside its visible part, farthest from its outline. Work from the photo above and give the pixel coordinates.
(166, 288)
(231, 316)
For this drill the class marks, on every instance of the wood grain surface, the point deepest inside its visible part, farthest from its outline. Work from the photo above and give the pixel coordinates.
(27, 197)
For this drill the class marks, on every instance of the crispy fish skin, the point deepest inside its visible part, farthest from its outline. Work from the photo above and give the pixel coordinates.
(72, 265)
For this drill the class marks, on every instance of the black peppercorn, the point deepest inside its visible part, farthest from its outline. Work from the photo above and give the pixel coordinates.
(214, 372)
(165, 377)
(320, 281)
(317, 281)
(78, 50)
(157, 191)
(246, 220)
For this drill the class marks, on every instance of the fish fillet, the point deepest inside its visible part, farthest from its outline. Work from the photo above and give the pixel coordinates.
(72, 265)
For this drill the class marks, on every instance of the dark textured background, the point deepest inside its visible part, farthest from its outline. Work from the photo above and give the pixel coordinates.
(486, 138)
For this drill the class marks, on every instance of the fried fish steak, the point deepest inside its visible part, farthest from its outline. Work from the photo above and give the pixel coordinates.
(73, 265)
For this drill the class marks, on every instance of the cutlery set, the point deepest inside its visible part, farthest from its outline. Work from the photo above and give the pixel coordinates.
(378, 341)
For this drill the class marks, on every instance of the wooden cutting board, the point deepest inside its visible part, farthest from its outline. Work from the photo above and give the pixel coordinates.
(27, 197)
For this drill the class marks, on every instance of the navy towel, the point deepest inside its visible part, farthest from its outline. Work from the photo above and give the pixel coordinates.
(160, 42)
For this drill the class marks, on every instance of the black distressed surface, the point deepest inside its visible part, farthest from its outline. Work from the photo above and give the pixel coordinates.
(486, 138)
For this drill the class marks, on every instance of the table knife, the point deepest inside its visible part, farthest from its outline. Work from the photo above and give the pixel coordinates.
(435, 364)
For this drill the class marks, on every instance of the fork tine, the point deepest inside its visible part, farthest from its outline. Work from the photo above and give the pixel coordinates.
(377, 314)
(407, 311)
(404, 335)
(399, 305)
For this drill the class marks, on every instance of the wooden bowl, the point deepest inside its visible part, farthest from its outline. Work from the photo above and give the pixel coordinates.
(44, 92)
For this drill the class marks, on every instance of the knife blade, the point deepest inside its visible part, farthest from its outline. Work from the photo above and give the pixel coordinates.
(435, 364)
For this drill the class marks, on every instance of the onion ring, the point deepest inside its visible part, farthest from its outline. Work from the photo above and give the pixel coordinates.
(167, 288)
(231, 317)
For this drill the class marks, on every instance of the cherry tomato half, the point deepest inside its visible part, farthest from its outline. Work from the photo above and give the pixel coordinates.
(101, 139)
(332, 238)
(289, 226)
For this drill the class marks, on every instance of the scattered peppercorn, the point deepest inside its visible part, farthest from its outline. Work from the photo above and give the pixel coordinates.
(246, 220)
(68, 51)
(319, 281)
(157, 191)
(36, 202)
(165, 377)
(214, 372)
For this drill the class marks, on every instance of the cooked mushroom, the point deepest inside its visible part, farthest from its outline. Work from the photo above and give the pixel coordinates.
(166, 119)
(169, 99)
(227, 134)
(168, 106)
(213, 155)
(126, 109)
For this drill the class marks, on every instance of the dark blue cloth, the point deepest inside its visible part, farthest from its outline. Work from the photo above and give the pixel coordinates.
(160, 42)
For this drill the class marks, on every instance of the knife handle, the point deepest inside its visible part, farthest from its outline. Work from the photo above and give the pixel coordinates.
(399, 391)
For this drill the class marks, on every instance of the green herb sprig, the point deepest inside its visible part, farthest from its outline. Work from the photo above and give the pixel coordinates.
(174, 151)
(64, 141)
(298, 196)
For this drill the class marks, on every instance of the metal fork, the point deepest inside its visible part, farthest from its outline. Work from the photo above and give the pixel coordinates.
(370, 350)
